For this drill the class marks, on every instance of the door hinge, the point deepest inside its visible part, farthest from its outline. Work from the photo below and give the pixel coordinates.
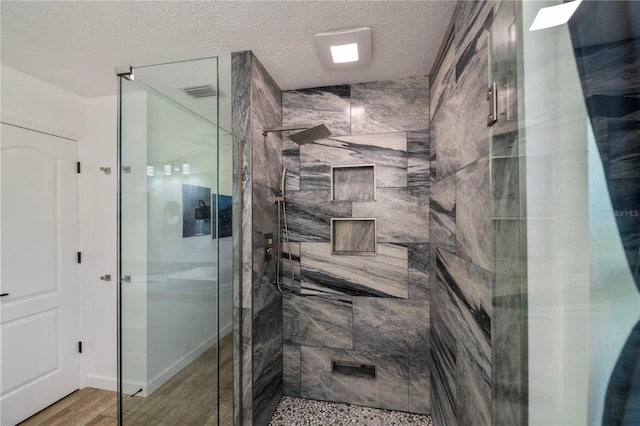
(80, 347)
(78, 168)
(79, 257)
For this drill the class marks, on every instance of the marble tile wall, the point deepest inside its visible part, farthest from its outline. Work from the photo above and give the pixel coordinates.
(258, 354)
(367, 309)
(460, 224)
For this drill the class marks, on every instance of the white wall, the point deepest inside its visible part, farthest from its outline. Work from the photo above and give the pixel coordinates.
(99, 241)
(37, 105)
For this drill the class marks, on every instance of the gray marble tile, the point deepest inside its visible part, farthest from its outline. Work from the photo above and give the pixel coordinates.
(418, 161)
(418, 141)
(402, 214)
(473, 212)
(457, 146)
(472, 24)
(469, 293)
(390, 326)
(388, 390)
(317, 321)
(390, 105)
(442, 213)
(504, 66)
(443, 83)
(264, 214)
(507, 241)
(387, 151)
(354, 183)
(291, 370)
(418, 170)
(419, 384)
(236, 226)
(507, 342)
(329, 105)
(289, 263)
(418, 271)
(291, 162)
(508, 282)
(473, 393)
(506, 144)
(352, 237)
(505, 208)
(266, 110)
(309, 215)
(382, 275)
(241, 94)
(443, 356)
(242, 361)
(505, 182)
(241, 113)
(263, 278)
(267, 361)
(263, 272)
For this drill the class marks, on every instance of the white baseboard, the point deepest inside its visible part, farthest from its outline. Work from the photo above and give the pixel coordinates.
(102, 382)
(226, 330)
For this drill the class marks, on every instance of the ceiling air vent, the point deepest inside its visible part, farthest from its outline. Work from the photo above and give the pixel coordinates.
(204, 91)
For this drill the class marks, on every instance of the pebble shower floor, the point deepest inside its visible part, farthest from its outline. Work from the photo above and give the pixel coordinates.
(305, 412)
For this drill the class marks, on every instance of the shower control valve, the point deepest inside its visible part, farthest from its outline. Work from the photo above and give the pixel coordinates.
(268, 246)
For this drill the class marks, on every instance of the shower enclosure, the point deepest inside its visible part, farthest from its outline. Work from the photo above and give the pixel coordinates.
(174, 247)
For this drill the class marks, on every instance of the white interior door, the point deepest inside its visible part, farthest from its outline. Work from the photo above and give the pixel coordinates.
(40, 305)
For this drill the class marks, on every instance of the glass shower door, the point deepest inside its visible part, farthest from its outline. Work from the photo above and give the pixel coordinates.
(168, 247)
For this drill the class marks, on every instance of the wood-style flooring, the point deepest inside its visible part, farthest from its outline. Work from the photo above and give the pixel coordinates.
(188, 398)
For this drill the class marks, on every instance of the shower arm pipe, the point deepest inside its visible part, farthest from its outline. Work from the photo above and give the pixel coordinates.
(285, 128)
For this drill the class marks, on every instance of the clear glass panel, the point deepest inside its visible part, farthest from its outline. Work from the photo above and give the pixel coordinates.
(566, 219)
(170, 232)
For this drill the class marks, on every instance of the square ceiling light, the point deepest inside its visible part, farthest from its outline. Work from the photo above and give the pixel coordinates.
(553, 16)
(345, 48)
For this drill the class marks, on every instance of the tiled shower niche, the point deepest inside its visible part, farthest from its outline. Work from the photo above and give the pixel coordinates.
(353, 237)
(353, 183)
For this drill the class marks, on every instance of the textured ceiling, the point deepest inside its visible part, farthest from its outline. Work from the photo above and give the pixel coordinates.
(76, 45)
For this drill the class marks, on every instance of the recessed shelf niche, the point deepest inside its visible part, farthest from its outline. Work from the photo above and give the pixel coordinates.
(353, 237)
(353, 183)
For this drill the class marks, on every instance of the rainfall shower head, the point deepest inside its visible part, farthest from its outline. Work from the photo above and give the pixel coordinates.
(310, 135)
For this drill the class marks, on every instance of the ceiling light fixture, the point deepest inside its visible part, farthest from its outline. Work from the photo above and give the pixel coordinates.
(553, 16)
(345, 48)
(345, 53)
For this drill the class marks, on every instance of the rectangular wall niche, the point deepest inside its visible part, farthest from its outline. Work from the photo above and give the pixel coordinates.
(353, 237)
(353, 183)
